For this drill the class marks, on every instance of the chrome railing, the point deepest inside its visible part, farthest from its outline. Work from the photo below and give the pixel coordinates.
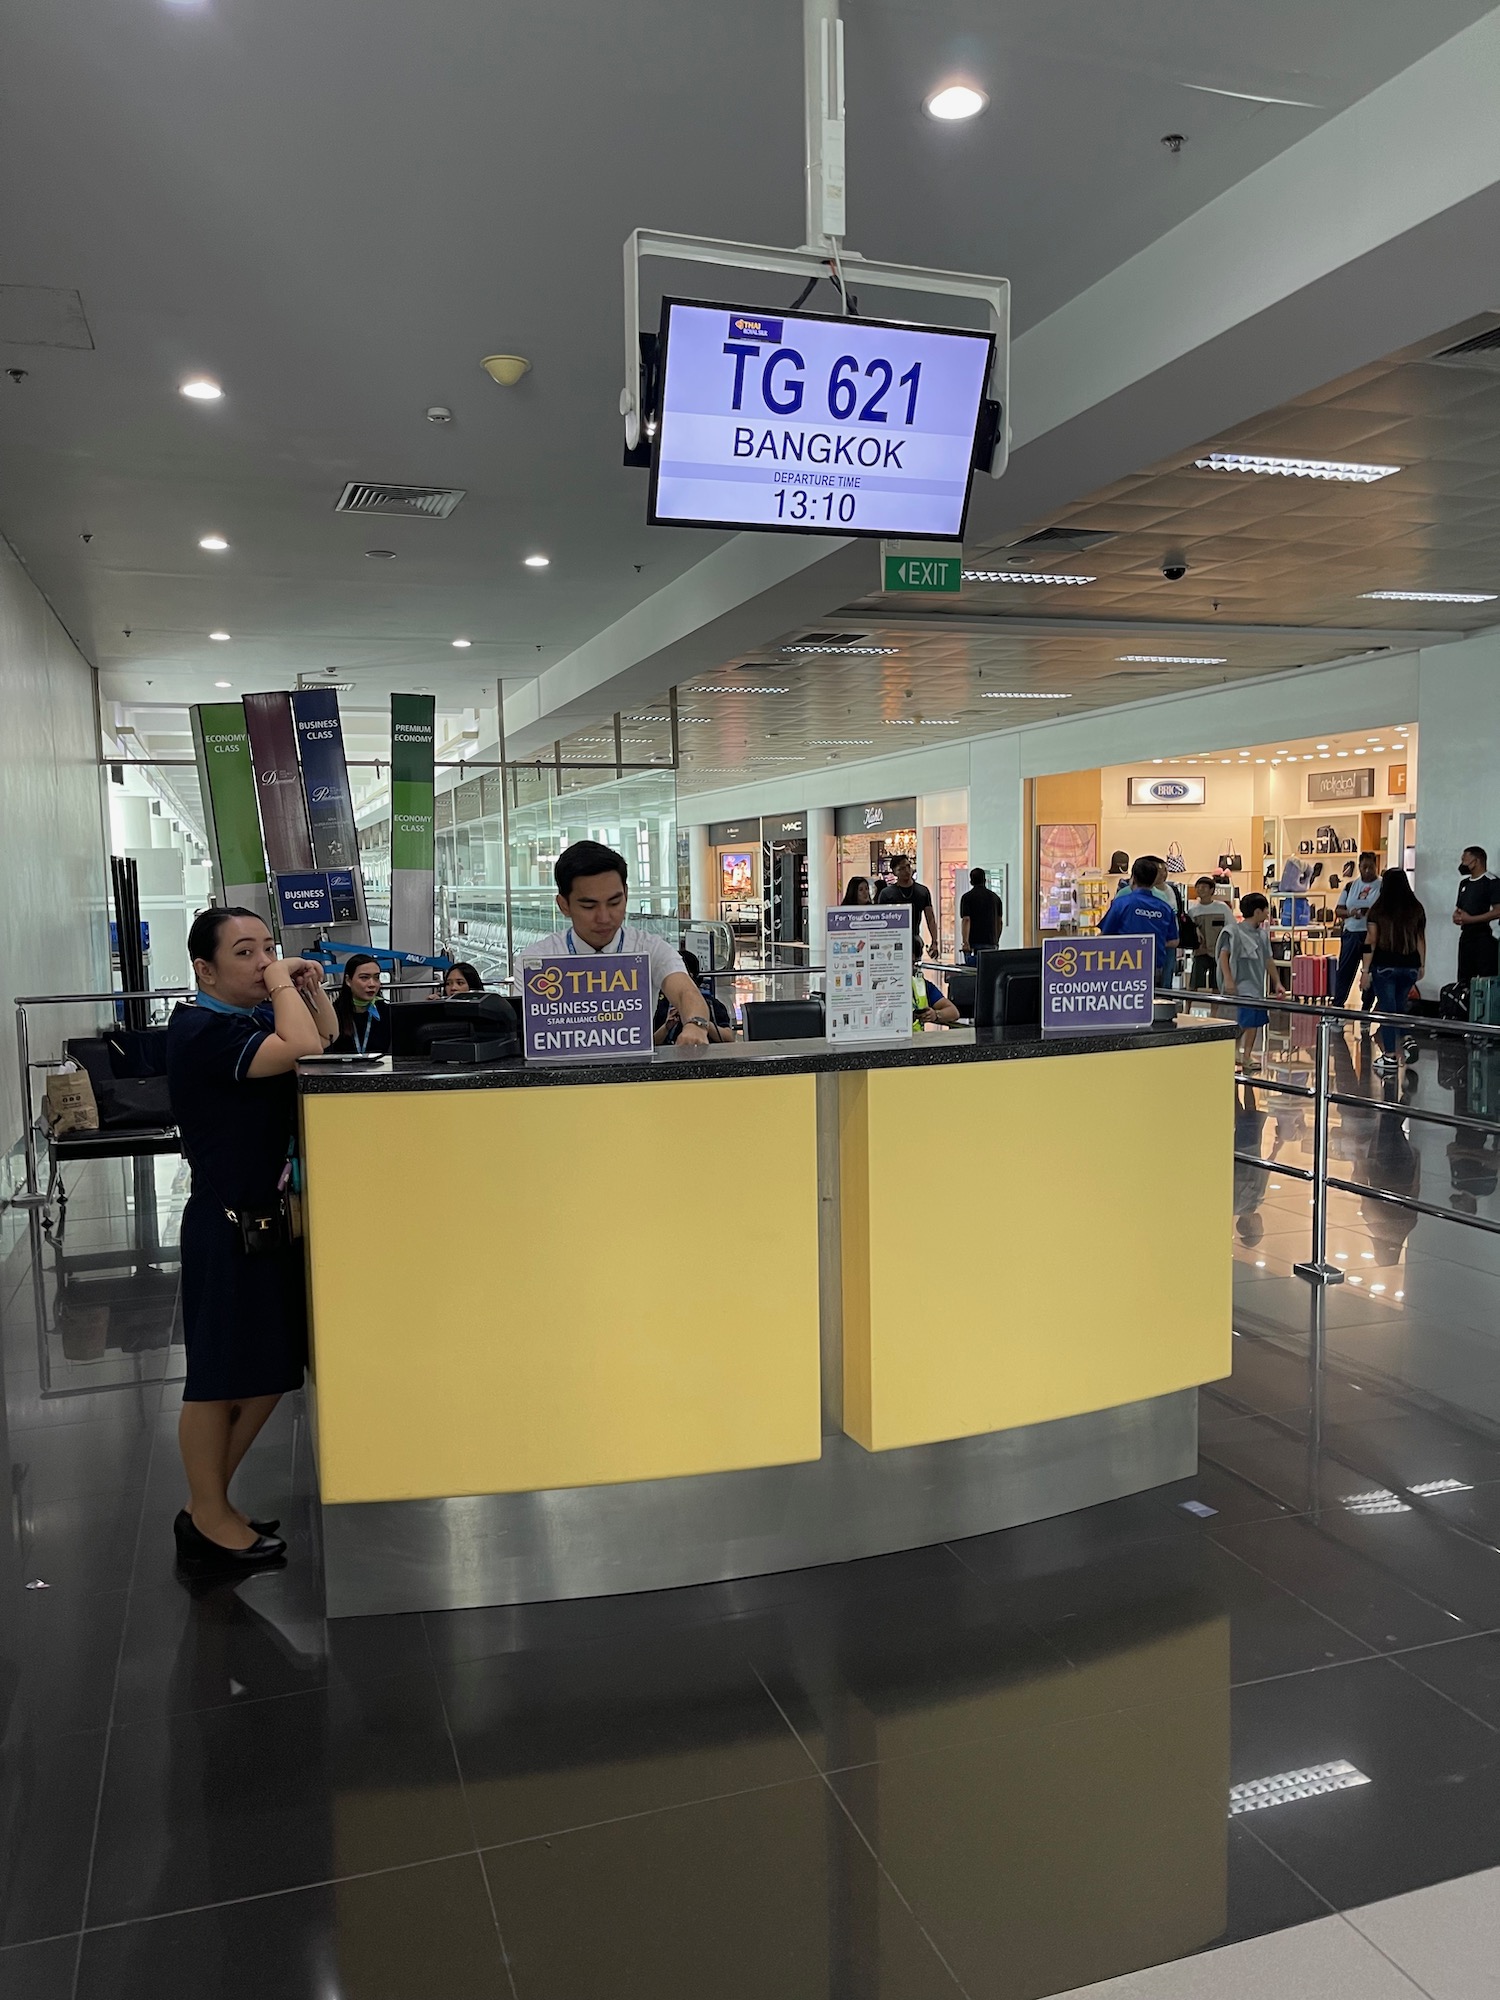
(1316, 1267)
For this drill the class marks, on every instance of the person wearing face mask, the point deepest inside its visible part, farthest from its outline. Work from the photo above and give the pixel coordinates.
(364, 1023)
(230, 1062)
(1478, 907)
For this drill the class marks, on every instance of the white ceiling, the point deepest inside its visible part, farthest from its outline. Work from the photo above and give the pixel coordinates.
(338, 209)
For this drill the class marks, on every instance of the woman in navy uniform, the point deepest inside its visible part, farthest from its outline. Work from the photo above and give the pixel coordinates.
(230, 1058)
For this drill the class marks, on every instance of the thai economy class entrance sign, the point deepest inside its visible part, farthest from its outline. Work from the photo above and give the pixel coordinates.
(1096, 985)
(583, 1009)
(869, 972)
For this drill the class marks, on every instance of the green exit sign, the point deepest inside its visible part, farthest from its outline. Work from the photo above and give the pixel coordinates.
(932, 574)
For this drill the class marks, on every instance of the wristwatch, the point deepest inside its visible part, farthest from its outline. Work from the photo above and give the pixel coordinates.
(697, 1021)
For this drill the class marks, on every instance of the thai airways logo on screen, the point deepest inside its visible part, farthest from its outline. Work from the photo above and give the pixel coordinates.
(743, 326)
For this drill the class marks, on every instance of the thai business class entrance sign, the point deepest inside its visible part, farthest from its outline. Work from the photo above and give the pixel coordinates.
(581, 1009)
(1096, 985)
(814, 424)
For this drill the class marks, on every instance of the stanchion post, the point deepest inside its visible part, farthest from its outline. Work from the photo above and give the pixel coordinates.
(32, 1196)
(1317, 1270)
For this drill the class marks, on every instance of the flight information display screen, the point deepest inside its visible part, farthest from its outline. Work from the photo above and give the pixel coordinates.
(812, 424)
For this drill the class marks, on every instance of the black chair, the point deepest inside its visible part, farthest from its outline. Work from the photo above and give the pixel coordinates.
(962, 987)
(784, 1020)
(995, 1005)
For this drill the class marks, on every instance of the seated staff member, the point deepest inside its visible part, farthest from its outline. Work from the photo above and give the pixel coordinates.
(230, 1059)
(592, 893)
(1352, 909)
(460, 979)
(364, 1026)
(928, 1002)
(668, 1023)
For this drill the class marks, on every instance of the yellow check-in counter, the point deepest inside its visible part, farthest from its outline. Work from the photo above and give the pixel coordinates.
(620, 1326)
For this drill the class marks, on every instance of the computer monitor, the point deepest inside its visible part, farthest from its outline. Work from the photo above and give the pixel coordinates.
(417, 1024)
(784, 1020)
(996, 973)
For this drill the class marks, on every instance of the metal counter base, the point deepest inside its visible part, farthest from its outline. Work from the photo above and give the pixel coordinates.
(601, 1541)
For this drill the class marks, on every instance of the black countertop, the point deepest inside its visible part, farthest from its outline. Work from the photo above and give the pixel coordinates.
(752, 1059)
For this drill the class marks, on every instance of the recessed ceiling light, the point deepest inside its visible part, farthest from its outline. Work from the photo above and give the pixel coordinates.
(463, 642)
(1323, 756)
(1343, 753)
(214, 542)
(1176, 659)
(222, 684)
(1022, 576)
(1431, 596)
(938, 721)
(381, 555)
(839, 742)
(997, 694)
(1294, 468)
(1226, 760)
(1260, 760)
(537, 562)
(1276, 761)
(218, 635)
(1159, 760)
(955, 101)
(200, 389)
(1320, 746)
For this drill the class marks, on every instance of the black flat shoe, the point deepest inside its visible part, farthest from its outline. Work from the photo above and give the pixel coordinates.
(260, 1527)
(196, 1547)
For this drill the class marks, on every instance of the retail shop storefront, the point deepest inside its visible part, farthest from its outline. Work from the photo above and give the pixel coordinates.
(871, 837)
(1288, 816)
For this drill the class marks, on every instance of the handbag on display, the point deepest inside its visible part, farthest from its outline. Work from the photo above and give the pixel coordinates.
(1176, 864)
(1231, 863)
(1305, 847)
(1350, 847)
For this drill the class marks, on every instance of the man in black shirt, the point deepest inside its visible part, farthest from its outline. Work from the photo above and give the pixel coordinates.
(982, 917)
(1478, 906)
(907, 889)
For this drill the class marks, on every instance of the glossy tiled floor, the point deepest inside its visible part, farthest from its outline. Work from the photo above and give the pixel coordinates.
(999, 1768)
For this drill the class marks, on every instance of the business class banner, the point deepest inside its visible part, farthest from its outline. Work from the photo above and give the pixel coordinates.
(330, 804)
(573, 1009)
(226, 779)
(1094, 986)
(412, 781)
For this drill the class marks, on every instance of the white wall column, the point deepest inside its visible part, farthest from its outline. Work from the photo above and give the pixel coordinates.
(704, 903)
(822, 878)
(1458, 805)
(997, 822)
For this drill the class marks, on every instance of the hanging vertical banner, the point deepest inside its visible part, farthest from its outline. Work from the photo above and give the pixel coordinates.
(413, 717)
(226, 780)
(278, 782)
(330, 802)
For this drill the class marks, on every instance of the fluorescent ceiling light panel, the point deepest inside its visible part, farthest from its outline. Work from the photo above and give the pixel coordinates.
(839, 742)
(1176, 659)
(1010, 694)
(734, 687)
(1431, 596)
(1312, 1782)
(1295, 468)
(1022, 576)
(1380, 1501)
(1430, 1486)
(938, 721)
(1253, 97)
(841, 649)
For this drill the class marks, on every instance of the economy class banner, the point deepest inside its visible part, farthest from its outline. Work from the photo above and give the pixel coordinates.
(226, 779)
(413, 719)
(330, 804)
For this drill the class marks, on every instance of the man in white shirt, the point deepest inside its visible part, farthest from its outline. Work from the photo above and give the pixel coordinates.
(1355, 899)
(592, 892)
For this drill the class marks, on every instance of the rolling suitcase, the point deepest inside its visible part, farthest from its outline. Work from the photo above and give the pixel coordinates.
(1484, 1001)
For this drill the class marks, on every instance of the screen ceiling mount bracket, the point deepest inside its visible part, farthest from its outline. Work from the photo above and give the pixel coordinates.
(823, 255)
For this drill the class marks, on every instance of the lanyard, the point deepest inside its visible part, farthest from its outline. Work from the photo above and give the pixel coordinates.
(572, 943)
(362, 1029)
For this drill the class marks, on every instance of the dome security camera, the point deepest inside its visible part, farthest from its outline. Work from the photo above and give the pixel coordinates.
(1174, 568)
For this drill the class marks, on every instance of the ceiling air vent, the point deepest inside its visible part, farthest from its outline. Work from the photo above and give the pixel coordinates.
(1060, 541)
(1481, 350)
(831, 639)
(363, 497)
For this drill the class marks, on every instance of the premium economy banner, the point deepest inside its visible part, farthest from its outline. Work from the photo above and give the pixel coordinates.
(330, 804)
(226, 779)
(278, 782)
(413, 717)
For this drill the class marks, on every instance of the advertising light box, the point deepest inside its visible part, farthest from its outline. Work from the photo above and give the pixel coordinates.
(810, 424)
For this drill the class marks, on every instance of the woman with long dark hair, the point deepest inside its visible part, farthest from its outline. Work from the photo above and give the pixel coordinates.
(364, 1024)
(230, 1058)
(858, 891)
(1396, 952)
(461, 978)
